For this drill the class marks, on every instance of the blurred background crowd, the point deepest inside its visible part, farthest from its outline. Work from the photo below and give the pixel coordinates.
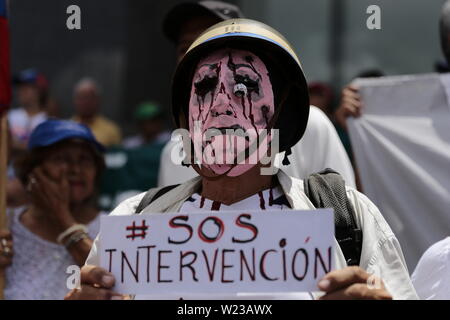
(114, 74)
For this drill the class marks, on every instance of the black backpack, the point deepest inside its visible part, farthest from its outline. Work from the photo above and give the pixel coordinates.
(325, 189)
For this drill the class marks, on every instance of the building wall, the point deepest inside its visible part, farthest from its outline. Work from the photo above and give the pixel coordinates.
(122, 46)
(407, 43)
(40, 38)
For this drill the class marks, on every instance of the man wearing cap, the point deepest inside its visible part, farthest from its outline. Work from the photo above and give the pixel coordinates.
(320, 147)
(252, 79)
(150, 123)
(32, 88)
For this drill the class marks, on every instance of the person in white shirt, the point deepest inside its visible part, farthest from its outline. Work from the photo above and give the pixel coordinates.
(431, 278)
(243, 80)
(32, 90)
(320, 146)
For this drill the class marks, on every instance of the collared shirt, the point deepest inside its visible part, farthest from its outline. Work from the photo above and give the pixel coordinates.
(381, 253)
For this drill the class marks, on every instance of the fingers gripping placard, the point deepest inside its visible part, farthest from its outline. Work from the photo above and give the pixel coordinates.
(226, 252)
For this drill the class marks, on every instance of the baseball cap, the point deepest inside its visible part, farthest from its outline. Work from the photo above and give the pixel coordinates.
(187, 10)
(147, 111)
(31, 76)
(52, 131)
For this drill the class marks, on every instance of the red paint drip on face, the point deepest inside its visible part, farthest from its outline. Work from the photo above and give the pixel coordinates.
(200, 106)
(232, 108)
(215, 206)
(243, 107)
(202, 202)
(222, 88)
(250, 115)
(264, 112)
(271, 197)
(212, 102)
(262, 203)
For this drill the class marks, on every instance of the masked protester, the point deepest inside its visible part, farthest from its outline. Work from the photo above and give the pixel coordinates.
(243, 75)
(320, 146)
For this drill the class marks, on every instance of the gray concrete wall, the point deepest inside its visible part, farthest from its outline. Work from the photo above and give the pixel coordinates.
(407, 43)
(40, 38)
(122, 46)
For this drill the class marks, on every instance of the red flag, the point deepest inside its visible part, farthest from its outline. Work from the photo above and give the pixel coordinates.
(5, 76)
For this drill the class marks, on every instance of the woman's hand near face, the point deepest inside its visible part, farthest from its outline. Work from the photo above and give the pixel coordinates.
(53, 196)
(352, 283)
(6, 249)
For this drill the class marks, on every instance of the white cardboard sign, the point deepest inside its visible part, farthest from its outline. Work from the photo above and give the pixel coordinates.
(218, 252)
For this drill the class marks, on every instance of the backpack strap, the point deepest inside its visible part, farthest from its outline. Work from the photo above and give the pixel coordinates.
(326, 189)
(152, 195)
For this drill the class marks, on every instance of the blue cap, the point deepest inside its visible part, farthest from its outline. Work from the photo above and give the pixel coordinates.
(31, 76)
(52, 131)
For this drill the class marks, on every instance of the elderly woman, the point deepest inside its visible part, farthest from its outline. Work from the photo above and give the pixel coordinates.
(60, 172)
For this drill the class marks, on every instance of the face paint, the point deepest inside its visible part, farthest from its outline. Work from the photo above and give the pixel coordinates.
(230, 90)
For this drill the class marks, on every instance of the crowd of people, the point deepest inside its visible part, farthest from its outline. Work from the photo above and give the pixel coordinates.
(65, 173)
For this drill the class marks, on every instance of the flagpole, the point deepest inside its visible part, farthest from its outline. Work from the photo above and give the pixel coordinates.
(3, 181)
(5, 100)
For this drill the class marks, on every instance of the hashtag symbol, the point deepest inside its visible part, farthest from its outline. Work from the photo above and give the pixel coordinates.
(135, 228)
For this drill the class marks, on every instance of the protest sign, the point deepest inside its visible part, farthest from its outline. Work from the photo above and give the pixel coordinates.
(218, 252)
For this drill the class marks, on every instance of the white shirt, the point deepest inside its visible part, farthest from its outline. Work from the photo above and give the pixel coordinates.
(381, 253)
(38, 270)
(319, 148)
(431, 278)
(21, 124)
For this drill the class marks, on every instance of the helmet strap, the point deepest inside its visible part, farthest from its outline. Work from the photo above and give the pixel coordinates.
(284, 97)
(286, 161)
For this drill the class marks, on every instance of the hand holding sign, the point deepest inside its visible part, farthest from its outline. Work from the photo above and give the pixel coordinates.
(351, 283)
(96, 284)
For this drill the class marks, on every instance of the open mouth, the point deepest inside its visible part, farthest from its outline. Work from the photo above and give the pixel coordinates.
(234, 130)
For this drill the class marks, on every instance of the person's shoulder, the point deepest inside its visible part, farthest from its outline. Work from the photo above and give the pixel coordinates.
(368, 214)
(437, 257)
(440, 251)
(318, 117)
(319, 125)
(128, 206)
(432, 273)
(106, 122)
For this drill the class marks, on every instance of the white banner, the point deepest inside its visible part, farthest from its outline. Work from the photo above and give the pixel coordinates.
(226, 252)
(402, 150)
